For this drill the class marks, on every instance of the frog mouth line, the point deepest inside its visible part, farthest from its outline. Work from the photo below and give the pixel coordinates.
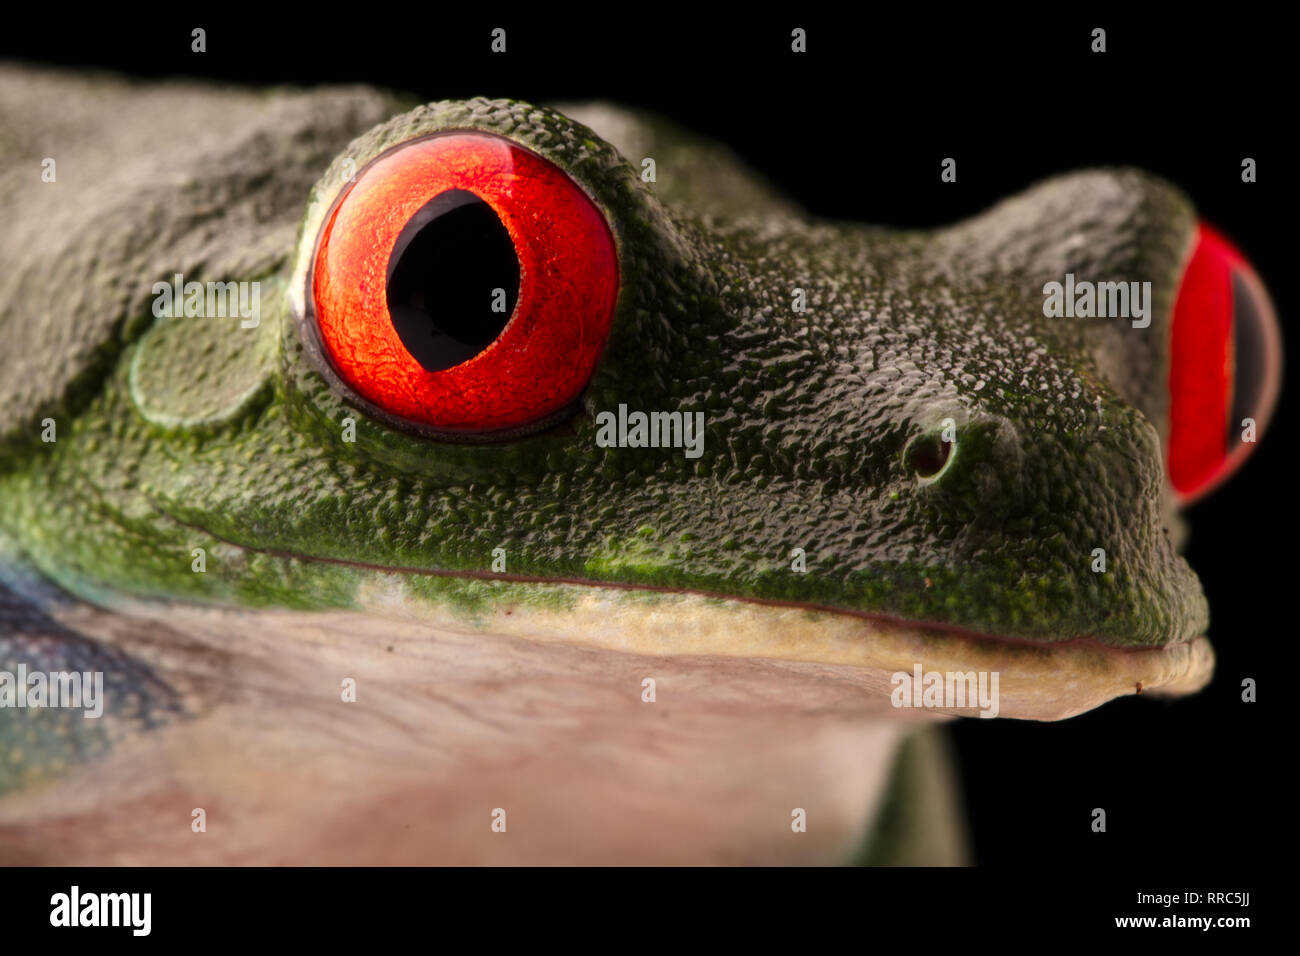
(934, 628)
(1043, 680)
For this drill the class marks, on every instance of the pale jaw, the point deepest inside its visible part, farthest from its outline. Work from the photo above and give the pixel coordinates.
(1036, 682)
(758, 712)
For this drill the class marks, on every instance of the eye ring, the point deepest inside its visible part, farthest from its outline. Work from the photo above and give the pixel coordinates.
(530, 374)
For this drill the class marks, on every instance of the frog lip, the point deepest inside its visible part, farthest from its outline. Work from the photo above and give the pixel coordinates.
(1038, 681)
(917, 625)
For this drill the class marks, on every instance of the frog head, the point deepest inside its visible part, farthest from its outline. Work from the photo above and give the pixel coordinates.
(572, 379)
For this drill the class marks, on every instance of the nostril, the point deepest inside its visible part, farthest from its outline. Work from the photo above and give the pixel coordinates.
(927, 454)
(972, 471)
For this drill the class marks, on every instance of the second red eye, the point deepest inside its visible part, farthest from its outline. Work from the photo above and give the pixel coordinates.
(465, 284)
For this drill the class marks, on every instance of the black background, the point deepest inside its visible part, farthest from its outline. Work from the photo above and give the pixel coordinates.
(855, 129)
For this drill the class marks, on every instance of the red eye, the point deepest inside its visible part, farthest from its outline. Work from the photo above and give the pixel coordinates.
(465, 284)
(1225, 366)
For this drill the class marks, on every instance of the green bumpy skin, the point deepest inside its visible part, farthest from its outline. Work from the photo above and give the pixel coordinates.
(808, 414)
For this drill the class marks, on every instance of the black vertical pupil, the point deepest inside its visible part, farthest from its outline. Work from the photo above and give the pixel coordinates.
(1250, 353)
(453, 278)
